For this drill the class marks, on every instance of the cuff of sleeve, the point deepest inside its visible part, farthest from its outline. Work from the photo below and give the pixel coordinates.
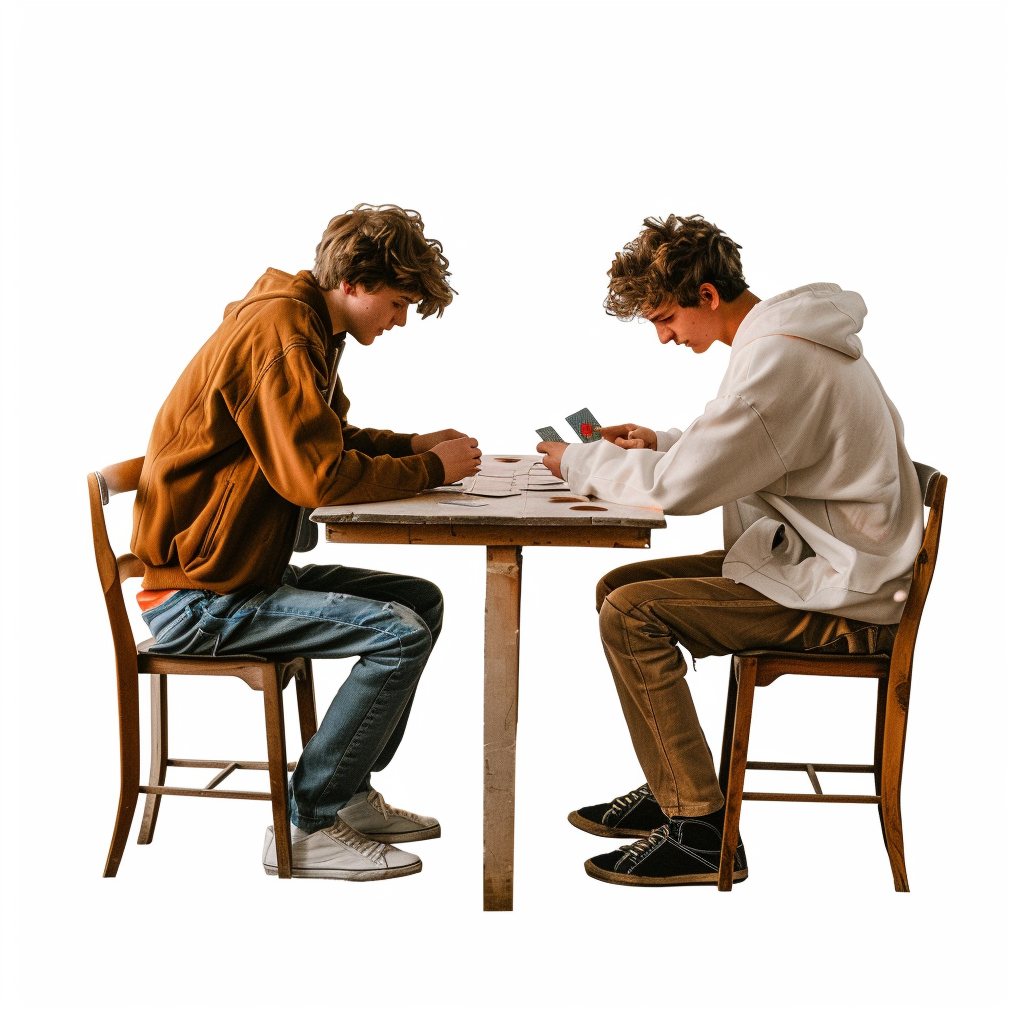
(569, 456)
(664, 440)
(435, 469)
(399, 445)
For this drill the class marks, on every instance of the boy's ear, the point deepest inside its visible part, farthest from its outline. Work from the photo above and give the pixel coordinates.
(709, 296)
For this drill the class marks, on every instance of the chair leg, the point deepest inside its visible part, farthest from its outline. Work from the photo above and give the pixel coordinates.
(277, 760)
(730, 721)
(883, 692)
(896, 707)
(128, 735)
(157, 756)
(745, 675)
(306, 700)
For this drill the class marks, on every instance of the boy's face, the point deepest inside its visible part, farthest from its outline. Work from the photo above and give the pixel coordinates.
(369, 314)
(696, 327)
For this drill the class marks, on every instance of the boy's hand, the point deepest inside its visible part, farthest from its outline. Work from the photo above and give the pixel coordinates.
(629, 435)
(460, 456)
(553, 451)
(424, 442)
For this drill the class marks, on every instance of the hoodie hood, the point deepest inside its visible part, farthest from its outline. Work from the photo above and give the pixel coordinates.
(820, 313)
(276, 284)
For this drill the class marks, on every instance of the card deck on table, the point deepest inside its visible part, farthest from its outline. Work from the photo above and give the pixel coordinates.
(549, 434)
(585, 425)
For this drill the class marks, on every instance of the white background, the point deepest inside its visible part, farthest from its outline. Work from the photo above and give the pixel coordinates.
(157, 158)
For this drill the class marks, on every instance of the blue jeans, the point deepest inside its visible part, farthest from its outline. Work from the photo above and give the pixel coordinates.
(323, 611)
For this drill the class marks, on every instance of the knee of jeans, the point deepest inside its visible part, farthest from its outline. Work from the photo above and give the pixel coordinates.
(433, 595)
(621, 608)
(604, 588)
(434, 615)
(411, 633)
(610, 617)
(429, 603)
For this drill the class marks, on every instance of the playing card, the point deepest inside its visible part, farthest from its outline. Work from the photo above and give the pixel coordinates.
(491, 487)
(554, 485)
(586, 427)
(470, 502)
(498, 470)
(549, 434)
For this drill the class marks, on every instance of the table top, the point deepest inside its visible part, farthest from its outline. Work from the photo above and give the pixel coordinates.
(547, 506)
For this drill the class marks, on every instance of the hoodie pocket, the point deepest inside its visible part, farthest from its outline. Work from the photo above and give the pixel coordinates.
(765, 541)
(212, 531)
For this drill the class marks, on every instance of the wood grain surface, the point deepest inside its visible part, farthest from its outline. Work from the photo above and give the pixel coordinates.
(528, 508)
(501, 717)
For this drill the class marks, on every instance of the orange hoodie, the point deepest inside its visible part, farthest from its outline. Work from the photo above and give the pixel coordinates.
(246, 438)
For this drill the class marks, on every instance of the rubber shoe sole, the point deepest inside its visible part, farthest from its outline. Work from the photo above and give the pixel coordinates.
(618, 878)
(597, 829)
(370, 875)
(405, 837)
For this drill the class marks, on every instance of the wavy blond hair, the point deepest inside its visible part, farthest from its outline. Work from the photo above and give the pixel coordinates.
(384, 245)
(669, 260)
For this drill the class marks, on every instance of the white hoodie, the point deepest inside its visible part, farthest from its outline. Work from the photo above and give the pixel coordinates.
(804, 451)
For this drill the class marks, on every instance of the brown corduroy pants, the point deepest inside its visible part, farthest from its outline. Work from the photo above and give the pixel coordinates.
(647, 608)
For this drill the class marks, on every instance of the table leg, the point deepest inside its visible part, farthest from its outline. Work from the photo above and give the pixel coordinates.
(501, 715)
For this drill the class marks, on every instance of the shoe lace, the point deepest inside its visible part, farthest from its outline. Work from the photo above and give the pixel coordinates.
(379, 804)
(624, 802)
(641, 846)
(356, 840)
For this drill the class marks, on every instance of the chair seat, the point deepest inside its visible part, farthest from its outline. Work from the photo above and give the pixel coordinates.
(253, 669)
(810, 656)
(144, 648)
(775, 663)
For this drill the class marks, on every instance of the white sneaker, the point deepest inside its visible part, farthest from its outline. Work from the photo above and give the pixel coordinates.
(340, 852)
(375, 818)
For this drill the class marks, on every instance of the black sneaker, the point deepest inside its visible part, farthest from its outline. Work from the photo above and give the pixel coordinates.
(634, 814)
(683, 852)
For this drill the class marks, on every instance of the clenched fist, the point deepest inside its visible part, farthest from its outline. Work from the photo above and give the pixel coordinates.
(424, 442)
(460, 456)
(629, 435)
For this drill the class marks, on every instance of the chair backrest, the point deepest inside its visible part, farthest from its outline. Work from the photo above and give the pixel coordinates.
(114, 570)
(933, 488)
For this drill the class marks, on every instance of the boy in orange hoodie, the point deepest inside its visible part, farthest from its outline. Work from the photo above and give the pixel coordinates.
(254, 430)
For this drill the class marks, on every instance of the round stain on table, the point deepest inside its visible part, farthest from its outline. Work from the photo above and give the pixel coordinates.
(565, 499)
(587, 508)
(508, 460)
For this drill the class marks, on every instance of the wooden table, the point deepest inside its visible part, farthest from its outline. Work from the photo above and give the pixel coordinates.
(504, 526)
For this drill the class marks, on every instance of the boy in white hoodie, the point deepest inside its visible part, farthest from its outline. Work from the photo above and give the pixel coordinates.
(823, 519)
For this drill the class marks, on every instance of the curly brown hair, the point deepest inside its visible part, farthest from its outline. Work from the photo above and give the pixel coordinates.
(671, 259)
(384, 245)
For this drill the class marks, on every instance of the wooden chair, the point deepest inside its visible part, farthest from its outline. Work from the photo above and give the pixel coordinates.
(751, 669)
(271, 677)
